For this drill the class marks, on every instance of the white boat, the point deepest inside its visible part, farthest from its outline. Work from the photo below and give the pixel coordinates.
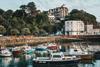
(53, 47)
(16, 51)
(27, 49)
(55, 58)
(41, 51)
(4, 52)
(84, 55)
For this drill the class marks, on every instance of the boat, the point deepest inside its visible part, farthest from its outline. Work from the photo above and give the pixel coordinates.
(41, 51)
(97, 55)
(84, 55)
(16, 51)
(57, 58)
(4, 52)
(27, 49)
(53, 47)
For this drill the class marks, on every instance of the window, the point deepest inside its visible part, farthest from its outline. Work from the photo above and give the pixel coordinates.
(56, 56)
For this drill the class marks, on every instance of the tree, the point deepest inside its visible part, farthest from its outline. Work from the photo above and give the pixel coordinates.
(25, 31)
(18, 13)
(42, 18)
(2, 29)
(31, 8)
(2, 20)
(14, 31)
(8, 14)
(23, 7)
(1, 11)
(81, 15)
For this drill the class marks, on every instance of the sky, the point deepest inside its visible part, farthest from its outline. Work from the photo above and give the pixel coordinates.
(90, 6)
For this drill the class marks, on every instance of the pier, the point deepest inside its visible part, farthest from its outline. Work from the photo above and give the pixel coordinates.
(15, 40)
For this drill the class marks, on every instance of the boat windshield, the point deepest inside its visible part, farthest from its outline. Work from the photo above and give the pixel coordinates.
(56, 56)
(40, 49)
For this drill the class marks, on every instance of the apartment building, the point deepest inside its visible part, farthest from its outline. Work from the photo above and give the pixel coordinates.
(58, 12)
(89, 29)
(74, 27)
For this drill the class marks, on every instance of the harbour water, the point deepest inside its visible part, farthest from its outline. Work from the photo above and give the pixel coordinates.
(26, 61)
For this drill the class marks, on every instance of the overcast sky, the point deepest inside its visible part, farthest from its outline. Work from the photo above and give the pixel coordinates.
(90, 6)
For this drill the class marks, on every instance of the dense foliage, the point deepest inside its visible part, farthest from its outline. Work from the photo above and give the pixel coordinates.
(26, 20)
(81, 15)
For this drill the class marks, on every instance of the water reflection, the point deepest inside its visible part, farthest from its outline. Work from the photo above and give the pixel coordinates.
(55, 65)
(5, 61)
(97, 63)
(26, 61)
(87, 63)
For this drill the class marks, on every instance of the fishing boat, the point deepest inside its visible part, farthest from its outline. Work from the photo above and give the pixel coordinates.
(55, 59)
(4, 52)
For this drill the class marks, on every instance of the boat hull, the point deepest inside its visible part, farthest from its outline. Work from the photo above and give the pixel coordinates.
(5, 55)
(54, 63)
(16, 53)
(86, 57)
(97, 55)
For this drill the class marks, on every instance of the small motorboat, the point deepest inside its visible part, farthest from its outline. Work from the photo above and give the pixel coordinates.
(16, 51)
(4, 52)
(55, 59)
(27, 49)
(84, 55)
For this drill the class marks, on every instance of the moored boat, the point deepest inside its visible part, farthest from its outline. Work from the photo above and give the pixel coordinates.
(97, 55)
(27, 49)
(4, 52)
(16, 51)
(55, 59)
(53, 47)
(84, 55)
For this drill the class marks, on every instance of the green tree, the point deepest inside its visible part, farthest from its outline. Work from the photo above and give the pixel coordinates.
(31, 8)
(8, 14)
(81, 15)
(2, 20)
(25, 31)
(23, 7)
(1, 11)
(19, 13)
(14, 32)
(2, 29)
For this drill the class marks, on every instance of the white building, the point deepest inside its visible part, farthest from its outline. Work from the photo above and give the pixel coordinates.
(74, 27)
(59, 12)
(97, 31)
(89, 29)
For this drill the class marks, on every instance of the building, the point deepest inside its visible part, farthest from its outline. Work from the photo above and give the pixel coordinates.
(51, 17)
(74, 27)
(89, 29)
(59, 12)
(92, 30)
(97, 31)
